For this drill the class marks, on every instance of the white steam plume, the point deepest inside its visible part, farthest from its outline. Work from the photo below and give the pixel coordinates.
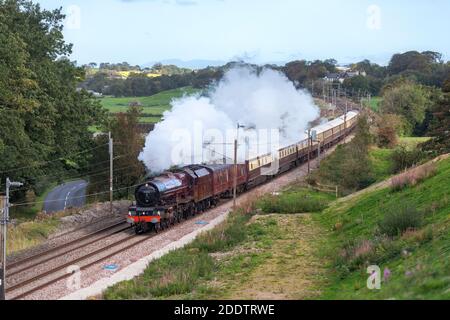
(202, 129)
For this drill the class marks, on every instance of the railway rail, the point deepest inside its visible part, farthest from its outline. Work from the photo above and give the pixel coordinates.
(40, 259)
(103, 253)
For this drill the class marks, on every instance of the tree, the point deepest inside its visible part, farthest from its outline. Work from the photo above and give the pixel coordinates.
(349, 166)
(43, 116)
(407, 99)
(439, 127)
(387, 136)
(128, 170)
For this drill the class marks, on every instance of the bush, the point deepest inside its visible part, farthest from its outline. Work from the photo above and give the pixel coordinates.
(399, 219)
(387, 137)
(402, 158)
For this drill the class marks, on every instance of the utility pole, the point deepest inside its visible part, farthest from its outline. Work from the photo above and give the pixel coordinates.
(111, 151)
(309, 151)
(2, 270)
(345, 119)
(318, 154)
(235, 172)
(5, 221)
(323, 91)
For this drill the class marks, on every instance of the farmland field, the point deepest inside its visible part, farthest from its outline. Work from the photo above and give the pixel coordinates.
(153, 106)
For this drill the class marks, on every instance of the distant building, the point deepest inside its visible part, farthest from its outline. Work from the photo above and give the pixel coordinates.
(332, 77)
(95, 94)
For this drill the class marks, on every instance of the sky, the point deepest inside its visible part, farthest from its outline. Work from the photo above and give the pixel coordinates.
(258, 31)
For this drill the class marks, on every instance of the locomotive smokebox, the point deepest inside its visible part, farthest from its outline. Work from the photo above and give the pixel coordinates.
(147, 195)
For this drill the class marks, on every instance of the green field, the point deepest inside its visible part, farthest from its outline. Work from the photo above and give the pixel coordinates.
(153, 106)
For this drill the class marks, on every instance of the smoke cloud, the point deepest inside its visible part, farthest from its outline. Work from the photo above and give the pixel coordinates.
(272, 113)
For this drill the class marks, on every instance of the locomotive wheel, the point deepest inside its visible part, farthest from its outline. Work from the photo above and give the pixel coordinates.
(157, 227)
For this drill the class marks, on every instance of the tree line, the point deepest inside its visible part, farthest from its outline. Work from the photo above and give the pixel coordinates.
(44, 119)
(426, 68)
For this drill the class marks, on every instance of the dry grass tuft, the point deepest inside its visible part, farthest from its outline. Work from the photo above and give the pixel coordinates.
(413, 176)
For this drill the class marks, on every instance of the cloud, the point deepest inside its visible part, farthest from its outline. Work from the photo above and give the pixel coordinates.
(186, 2)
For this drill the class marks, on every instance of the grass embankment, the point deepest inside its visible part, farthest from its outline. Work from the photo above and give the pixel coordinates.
(381, 159)
(405, 231)
(403, 227)
(28, 234)
(247, 257)
(153, 106)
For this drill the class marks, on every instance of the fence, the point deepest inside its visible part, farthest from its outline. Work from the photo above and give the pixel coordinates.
(325, 188)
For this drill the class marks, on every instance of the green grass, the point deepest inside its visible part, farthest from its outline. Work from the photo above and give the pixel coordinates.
(418, 260)
(296, 200)
(375, 103)
(412, 142)
(233, 259)
(30, 233)
(181, 273)
(155, 105)
(381, 162)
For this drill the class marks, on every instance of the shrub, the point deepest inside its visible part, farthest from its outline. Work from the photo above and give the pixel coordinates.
(354, 254)
(399, 219)
(403, 158)
(387, 137)
(412, 177)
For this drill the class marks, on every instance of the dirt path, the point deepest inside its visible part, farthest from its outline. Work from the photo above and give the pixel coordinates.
(293, 271)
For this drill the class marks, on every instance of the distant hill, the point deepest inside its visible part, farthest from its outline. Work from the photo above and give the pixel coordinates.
(190, 64)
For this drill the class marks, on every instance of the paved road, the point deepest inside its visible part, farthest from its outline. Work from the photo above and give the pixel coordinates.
(70, 194)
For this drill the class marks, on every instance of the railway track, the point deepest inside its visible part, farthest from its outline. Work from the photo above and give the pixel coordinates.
(38, 260)
(65, 245)
(59, 273)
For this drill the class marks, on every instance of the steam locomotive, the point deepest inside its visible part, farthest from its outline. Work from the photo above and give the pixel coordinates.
(167, 199)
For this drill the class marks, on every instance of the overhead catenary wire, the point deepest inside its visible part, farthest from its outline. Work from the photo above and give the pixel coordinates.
(51, 161)
(93, 174)
(76, 176)
(80, 197)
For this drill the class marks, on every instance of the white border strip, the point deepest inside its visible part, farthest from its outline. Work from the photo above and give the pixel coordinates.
(137, 268)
